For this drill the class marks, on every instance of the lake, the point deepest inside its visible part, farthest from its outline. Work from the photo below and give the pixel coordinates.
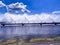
(30, 30)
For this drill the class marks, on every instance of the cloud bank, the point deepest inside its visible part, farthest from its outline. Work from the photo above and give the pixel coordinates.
(26, 18)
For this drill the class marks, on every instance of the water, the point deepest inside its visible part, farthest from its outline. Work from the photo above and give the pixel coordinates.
(30, 30)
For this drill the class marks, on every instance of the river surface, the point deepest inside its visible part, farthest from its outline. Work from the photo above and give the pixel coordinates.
(30, 30)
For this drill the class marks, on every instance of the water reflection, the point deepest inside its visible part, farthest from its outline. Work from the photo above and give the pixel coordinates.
(30, 30)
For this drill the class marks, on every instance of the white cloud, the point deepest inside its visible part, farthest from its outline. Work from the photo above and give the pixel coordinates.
(56, 12)
(1, 4)
(15, 7)
(18, 7)
(25, 18)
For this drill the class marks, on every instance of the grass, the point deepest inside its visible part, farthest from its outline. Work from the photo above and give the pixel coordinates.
(41, 40)
(45, 40)
(32, 40)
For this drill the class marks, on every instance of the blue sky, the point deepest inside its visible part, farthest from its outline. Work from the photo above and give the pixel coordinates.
(36, 6)
(41, 11)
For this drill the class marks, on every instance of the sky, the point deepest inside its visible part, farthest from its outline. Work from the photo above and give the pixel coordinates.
(32, 11)
(37, 6)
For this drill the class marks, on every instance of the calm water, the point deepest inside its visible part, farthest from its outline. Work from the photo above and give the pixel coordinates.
(30, 30)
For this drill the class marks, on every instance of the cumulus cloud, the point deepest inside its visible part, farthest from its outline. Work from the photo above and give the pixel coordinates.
(1, 4)
(25, 18)
(17, 7)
